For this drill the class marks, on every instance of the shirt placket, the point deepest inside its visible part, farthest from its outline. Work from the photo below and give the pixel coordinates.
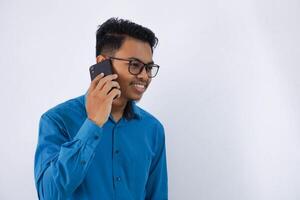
(117, 179)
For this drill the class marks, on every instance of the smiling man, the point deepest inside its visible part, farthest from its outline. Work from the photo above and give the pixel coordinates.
(101, 145)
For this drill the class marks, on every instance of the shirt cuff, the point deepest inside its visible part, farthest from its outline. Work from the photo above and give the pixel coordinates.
(90, 133)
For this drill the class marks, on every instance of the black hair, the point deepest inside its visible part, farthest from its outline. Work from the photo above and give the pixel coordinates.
(112, 33)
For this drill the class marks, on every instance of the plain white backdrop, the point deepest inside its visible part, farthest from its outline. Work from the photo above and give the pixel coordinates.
(227, 91)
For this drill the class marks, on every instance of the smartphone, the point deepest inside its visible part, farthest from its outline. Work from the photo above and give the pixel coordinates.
(101, 67)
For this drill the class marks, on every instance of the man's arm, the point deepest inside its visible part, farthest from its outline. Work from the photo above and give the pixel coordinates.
(157, 184)
(61, 164)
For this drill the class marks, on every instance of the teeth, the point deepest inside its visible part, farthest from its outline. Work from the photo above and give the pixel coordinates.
(141, 86)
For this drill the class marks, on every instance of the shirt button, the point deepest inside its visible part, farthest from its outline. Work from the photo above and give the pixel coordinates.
(96, 137)
(117, 151)
(118, 178)
(83, 162)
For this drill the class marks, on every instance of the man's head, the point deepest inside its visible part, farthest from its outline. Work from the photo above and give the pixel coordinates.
(123, 39)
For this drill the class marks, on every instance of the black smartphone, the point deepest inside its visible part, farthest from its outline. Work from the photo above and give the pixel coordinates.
(101, 67)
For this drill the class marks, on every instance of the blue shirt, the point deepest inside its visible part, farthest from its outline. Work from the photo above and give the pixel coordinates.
(77, 159)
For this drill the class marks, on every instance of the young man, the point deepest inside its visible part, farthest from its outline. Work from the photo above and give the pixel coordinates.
(101, 145)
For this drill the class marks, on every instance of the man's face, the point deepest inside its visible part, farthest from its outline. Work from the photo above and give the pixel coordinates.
(132, 85)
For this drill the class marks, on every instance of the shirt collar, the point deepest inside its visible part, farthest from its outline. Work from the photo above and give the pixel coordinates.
(135, 110)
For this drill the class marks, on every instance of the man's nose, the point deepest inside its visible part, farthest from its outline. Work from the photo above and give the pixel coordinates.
(143, 74)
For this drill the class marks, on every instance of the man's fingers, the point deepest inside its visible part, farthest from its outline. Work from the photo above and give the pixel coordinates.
(102, 81)
(109, 85)
(95, 81)
(114, 93)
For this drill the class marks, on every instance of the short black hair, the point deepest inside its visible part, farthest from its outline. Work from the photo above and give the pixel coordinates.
(113, 32)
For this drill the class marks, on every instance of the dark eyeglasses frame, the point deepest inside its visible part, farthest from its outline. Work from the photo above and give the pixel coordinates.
(145, 65)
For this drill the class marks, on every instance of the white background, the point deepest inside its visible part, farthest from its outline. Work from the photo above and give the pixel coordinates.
(227, 92)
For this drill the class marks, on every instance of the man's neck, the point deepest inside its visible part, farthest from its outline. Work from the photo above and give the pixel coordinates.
(118, 108)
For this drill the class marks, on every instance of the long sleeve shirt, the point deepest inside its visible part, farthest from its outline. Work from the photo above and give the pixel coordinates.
(77, 159)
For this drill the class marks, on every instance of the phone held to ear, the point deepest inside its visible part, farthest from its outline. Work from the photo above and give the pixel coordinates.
(101, 67)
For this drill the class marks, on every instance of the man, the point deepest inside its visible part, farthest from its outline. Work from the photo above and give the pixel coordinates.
(101, 145)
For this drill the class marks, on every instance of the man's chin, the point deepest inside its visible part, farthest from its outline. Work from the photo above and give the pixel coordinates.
(135, 98)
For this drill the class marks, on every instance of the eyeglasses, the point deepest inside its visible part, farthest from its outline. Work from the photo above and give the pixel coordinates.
(136, 66)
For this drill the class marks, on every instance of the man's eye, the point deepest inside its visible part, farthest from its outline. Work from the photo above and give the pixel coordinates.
(149, 68)
(136, 64)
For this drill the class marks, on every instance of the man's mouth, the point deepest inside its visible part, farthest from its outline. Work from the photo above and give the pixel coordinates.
(140, 87)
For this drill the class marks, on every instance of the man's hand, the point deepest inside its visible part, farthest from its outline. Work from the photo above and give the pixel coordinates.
(100, 96)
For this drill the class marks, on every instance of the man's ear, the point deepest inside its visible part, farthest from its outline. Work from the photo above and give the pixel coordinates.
(100, 58)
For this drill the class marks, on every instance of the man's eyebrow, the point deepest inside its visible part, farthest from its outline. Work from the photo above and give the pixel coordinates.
(133, 58)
